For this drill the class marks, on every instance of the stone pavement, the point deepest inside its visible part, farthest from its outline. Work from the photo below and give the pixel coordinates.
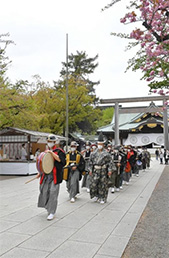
(80, 230)
(151, 235)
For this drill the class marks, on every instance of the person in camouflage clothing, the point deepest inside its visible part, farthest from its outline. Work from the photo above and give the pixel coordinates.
(100, 167)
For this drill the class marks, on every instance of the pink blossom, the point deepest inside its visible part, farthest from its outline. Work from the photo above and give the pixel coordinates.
(161, 73)
(150, 79)
(123, 20)
(152, 73)
(154, 51)
(143, 44)
(161, 92)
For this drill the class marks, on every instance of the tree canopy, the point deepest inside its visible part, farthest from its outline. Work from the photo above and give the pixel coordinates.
(37, 105)
(80, 66)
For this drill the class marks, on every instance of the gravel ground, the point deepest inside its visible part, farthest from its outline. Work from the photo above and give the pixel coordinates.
(151, 236)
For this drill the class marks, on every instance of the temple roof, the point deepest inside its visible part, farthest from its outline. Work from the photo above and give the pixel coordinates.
(135, 117)
(13, 131)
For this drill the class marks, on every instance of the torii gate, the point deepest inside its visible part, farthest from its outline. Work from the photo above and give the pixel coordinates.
(139, 99)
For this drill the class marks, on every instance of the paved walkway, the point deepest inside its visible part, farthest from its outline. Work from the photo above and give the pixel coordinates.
(151, 235)
(80, 230)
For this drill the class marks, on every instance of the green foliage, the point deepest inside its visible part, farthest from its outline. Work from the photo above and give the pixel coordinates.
(107, 115)
(80, 66)
(81, 109)
(39, 106)
(17, 108)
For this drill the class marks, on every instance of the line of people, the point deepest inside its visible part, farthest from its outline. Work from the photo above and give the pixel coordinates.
(100, 167)
(126, 161)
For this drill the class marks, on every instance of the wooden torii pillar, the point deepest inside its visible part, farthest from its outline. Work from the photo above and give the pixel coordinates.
(139, 99)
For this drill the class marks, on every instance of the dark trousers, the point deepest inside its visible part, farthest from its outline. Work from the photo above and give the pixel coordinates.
(121, 175)
(127, 176)
(117, 181)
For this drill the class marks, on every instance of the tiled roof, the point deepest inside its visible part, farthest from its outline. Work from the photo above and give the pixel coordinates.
(127, 120)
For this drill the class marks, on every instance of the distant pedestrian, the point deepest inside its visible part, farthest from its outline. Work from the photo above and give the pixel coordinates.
(166, 156)
(93, 147)
(115, 177)
(86, 155)
(148, 158)
(157, 154)
(109, 148)
(161, 155)
(127, 169)
(123, 161)
(138, 163)
(24, 154)
(144, 159)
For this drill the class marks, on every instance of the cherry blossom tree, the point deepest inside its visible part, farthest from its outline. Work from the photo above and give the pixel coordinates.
(152, 35)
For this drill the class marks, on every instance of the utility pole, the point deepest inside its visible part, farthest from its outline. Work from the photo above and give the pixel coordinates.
(116, 123)
(67, 99)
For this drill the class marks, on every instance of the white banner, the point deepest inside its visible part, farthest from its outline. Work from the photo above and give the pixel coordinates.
(143, 139)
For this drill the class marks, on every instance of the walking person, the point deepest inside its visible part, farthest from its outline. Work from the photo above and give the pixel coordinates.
(167, 157)
(93, 147)
(144, 159)
(138, 163)
(75, 166)
(129, 162)
(86, 155)
(157, 154)
(133, 151)
(148, 158)
(50, 183)
(161, 157)
(123, 161)
(115, 177)
(100, 165)
(109, 148)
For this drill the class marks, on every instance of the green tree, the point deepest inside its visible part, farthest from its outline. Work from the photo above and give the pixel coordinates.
(10, 101)
(106, 118)
(16, 108)
(39, 106)
(80, 66)
(83, 111)
(81, 108)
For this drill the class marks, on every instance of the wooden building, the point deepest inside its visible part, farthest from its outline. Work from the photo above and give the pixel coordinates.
(138, 126)
(11, 140)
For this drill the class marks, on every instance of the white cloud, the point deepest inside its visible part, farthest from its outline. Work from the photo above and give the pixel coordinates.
(39, 28)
